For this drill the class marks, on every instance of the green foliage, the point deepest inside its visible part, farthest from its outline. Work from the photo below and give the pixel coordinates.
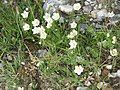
(59, 63)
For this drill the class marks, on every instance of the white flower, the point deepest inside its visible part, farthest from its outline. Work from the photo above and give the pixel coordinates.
(42, 29)
(43, 35)
(109, 66)
(49, 25)
(56, 16)
(73, 24)
(25, 14)
(100, 6)
(76, 6)
(78, 69)
(47, 15)
(72, 34)
(36, 30)
(86, 3)
(36, 22)
(72, 44)
(40, 43)
(26, 26)
(26, 9)
(20, 88)
(48, 19)
(114, 39)
(108, 34)
(110, 14)
(113, 52)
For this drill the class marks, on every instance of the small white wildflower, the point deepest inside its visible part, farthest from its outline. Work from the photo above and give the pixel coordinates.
(72, 44)
(61, 20)
(43, 35)
(78, 69)
(50, 20)
(46, 16)
(86, 3)
(100, 6)
(73, 24)
(55, 16)
(42, 29)
(114, 39)
(5, 1)
(108, 34)
(36, 30)
(110, 14)
(26, 9)
(36, 22)
(113, 52)
(76, 6)
(40, 43)
(20, 88)
(109, 66)
(72, 34)
(26, 26)
(25, 14)
(49, 25)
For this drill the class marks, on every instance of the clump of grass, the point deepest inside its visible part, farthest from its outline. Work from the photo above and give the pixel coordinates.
(55, 69)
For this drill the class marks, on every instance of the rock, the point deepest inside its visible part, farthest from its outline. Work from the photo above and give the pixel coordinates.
(101, 14)
(41, 53)
(98, 26)
(66, 8)
(83, 27)
(53, 5)
(7, 57)
(1, 65)
(81, 88)
(87, 9)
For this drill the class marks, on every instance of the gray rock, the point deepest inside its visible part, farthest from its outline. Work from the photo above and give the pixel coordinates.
(98, 26)
(53, 5)
(81, 88)
(87, 9)
(1, 65)
(83, 27)
(41, 53)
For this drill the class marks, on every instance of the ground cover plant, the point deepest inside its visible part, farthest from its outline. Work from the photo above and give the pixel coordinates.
(59, 44)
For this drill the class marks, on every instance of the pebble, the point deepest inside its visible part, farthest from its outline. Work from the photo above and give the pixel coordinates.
(41, 53)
